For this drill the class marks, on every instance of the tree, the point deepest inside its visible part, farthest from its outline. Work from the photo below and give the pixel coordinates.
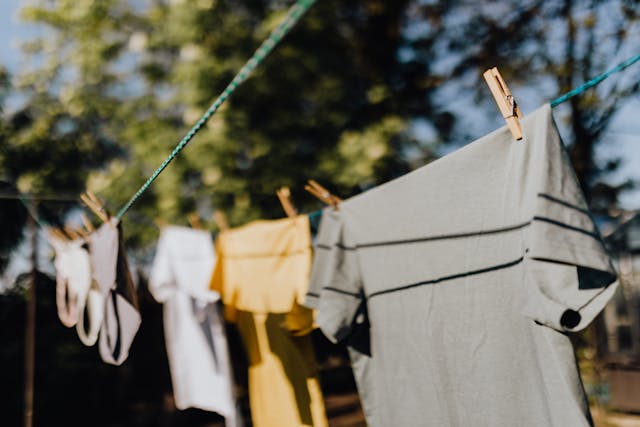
(12, 213)
(65, 126)
(333, 102)
(556, 46)
(338, 101)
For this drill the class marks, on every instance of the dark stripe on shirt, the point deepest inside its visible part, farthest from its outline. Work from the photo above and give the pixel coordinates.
(565, 203)
(567, 226)
(322, 246)
(445, 278)
(313, 295)
(445, 236)
(346, 248)
(463, 235)
(340, 291)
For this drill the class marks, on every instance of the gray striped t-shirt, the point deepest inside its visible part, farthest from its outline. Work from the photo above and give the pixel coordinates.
(472, 270)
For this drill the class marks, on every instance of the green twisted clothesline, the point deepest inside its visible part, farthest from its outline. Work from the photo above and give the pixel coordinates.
(293, 16)
(594, 81)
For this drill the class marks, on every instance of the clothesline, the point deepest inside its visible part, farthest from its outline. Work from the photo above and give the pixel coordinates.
(23, 197)
(292, 18)
(594, 81)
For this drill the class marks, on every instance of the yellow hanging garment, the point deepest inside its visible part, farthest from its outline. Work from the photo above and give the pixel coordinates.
(262, 273)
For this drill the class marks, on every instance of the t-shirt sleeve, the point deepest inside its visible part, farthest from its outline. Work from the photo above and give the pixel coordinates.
(324, 255)
(569, 274)
(341, 293)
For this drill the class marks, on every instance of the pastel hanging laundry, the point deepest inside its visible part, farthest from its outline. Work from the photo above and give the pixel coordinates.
(262, 274)
(121, 319)
(103, 249)
(472, 269)
(73, 279)
(197, 348)
(93, 307)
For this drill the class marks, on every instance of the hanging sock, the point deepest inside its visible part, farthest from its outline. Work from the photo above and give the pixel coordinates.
(92, 307)
(120, 318)
(294, 14)
(121, 315)
(73, 278)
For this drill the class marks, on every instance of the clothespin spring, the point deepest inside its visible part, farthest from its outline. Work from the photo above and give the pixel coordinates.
(514, 105)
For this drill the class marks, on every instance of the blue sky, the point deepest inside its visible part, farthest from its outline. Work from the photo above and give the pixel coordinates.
(11, 31)
(623, 139)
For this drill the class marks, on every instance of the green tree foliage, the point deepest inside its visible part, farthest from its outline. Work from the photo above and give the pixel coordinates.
(12, 213)
(115, 84)
(554, 46)
(73, 89)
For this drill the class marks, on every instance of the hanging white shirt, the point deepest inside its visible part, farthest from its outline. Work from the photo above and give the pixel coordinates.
(194, 330)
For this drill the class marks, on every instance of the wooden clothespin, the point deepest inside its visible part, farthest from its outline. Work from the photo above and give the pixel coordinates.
(221, 219)
(75, 235)
(95, 205)
(322, 193)
(87, 224)
(194, 221)
(284, 194)
(82, 232)
(58, 234)
(506, 103)
(100, 205)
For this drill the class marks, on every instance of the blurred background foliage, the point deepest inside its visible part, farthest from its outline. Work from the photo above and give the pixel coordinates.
(112, 85)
